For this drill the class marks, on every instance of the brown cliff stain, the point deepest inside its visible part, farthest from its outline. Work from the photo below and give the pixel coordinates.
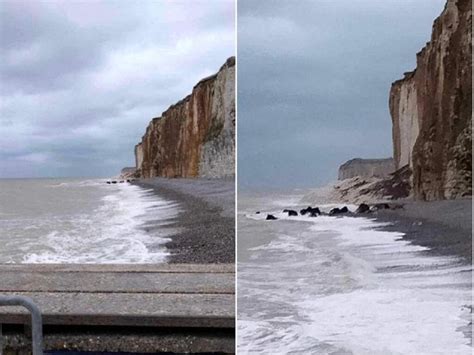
(441, 156)
(172, 144)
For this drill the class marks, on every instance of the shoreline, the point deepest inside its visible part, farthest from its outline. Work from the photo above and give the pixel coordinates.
(205, 224)
(444, 227)
(375, 281)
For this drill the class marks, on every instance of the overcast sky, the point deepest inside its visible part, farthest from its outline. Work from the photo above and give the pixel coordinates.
(313, 83)
(79, 81)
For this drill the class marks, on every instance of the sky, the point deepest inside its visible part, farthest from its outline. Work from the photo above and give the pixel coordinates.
(80, 81)
(313, 83)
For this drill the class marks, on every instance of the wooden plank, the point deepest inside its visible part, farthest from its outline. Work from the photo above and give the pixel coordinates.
(128, 309)
(170, 268)
(120, 282)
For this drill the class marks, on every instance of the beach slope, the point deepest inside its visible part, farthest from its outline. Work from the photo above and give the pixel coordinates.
(206, 222)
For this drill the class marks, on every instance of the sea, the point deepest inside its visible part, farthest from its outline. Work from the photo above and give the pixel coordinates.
(83, 221)
(343, 285)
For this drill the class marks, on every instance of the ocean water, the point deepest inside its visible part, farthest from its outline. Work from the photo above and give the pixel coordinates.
(331, 285)
(82, 221)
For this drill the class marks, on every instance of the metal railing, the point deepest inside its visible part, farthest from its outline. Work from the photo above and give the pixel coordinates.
(36, 320)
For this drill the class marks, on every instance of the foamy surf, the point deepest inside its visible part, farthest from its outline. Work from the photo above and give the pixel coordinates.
(342, 285)
(99, 224)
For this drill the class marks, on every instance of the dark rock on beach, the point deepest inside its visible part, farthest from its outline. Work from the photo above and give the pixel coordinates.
(303, 211)
(290, 212)
(270, 217)
(363, 208)
(336, 211)
(313, 212)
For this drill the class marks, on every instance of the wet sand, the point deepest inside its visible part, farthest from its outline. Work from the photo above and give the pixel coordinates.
(394, 288)
(443, 226)
(206, 223)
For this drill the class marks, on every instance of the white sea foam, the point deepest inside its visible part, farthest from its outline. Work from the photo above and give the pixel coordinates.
(77, 183)
(342, 285)
(114, 232)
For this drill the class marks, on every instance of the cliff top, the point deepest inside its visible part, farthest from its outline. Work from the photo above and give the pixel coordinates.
(230, 62)
(436, 28)
(365, 161)
(406, 76)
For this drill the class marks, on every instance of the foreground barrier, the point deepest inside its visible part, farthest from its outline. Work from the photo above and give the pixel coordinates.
(36, 321)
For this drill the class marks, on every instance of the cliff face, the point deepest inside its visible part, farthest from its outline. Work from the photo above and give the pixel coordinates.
(404, 112)
(127, 173)
(196, 136)
(431, 109)
(366, 168)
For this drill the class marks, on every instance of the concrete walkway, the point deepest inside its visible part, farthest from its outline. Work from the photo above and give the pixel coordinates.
(145, 298)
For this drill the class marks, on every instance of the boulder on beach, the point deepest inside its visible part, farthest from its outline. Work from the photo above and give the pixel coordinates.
(336, 211)
(313, 212)
(363, 208)
(270, 217)
(290, 212)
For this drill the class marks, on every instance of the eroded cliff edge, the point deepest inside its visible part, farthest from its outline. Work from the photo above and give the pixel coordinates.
(196, 136)
(431, 109)
(366, 168)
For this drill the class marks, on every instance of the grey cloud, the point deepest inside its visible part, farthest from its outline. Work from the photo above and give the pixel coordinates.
(79, 81)
(43, 50)
(314, 78)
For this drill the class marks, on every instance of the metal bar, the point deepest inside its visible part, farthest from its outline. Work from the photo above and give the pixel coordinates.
(36, 319)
